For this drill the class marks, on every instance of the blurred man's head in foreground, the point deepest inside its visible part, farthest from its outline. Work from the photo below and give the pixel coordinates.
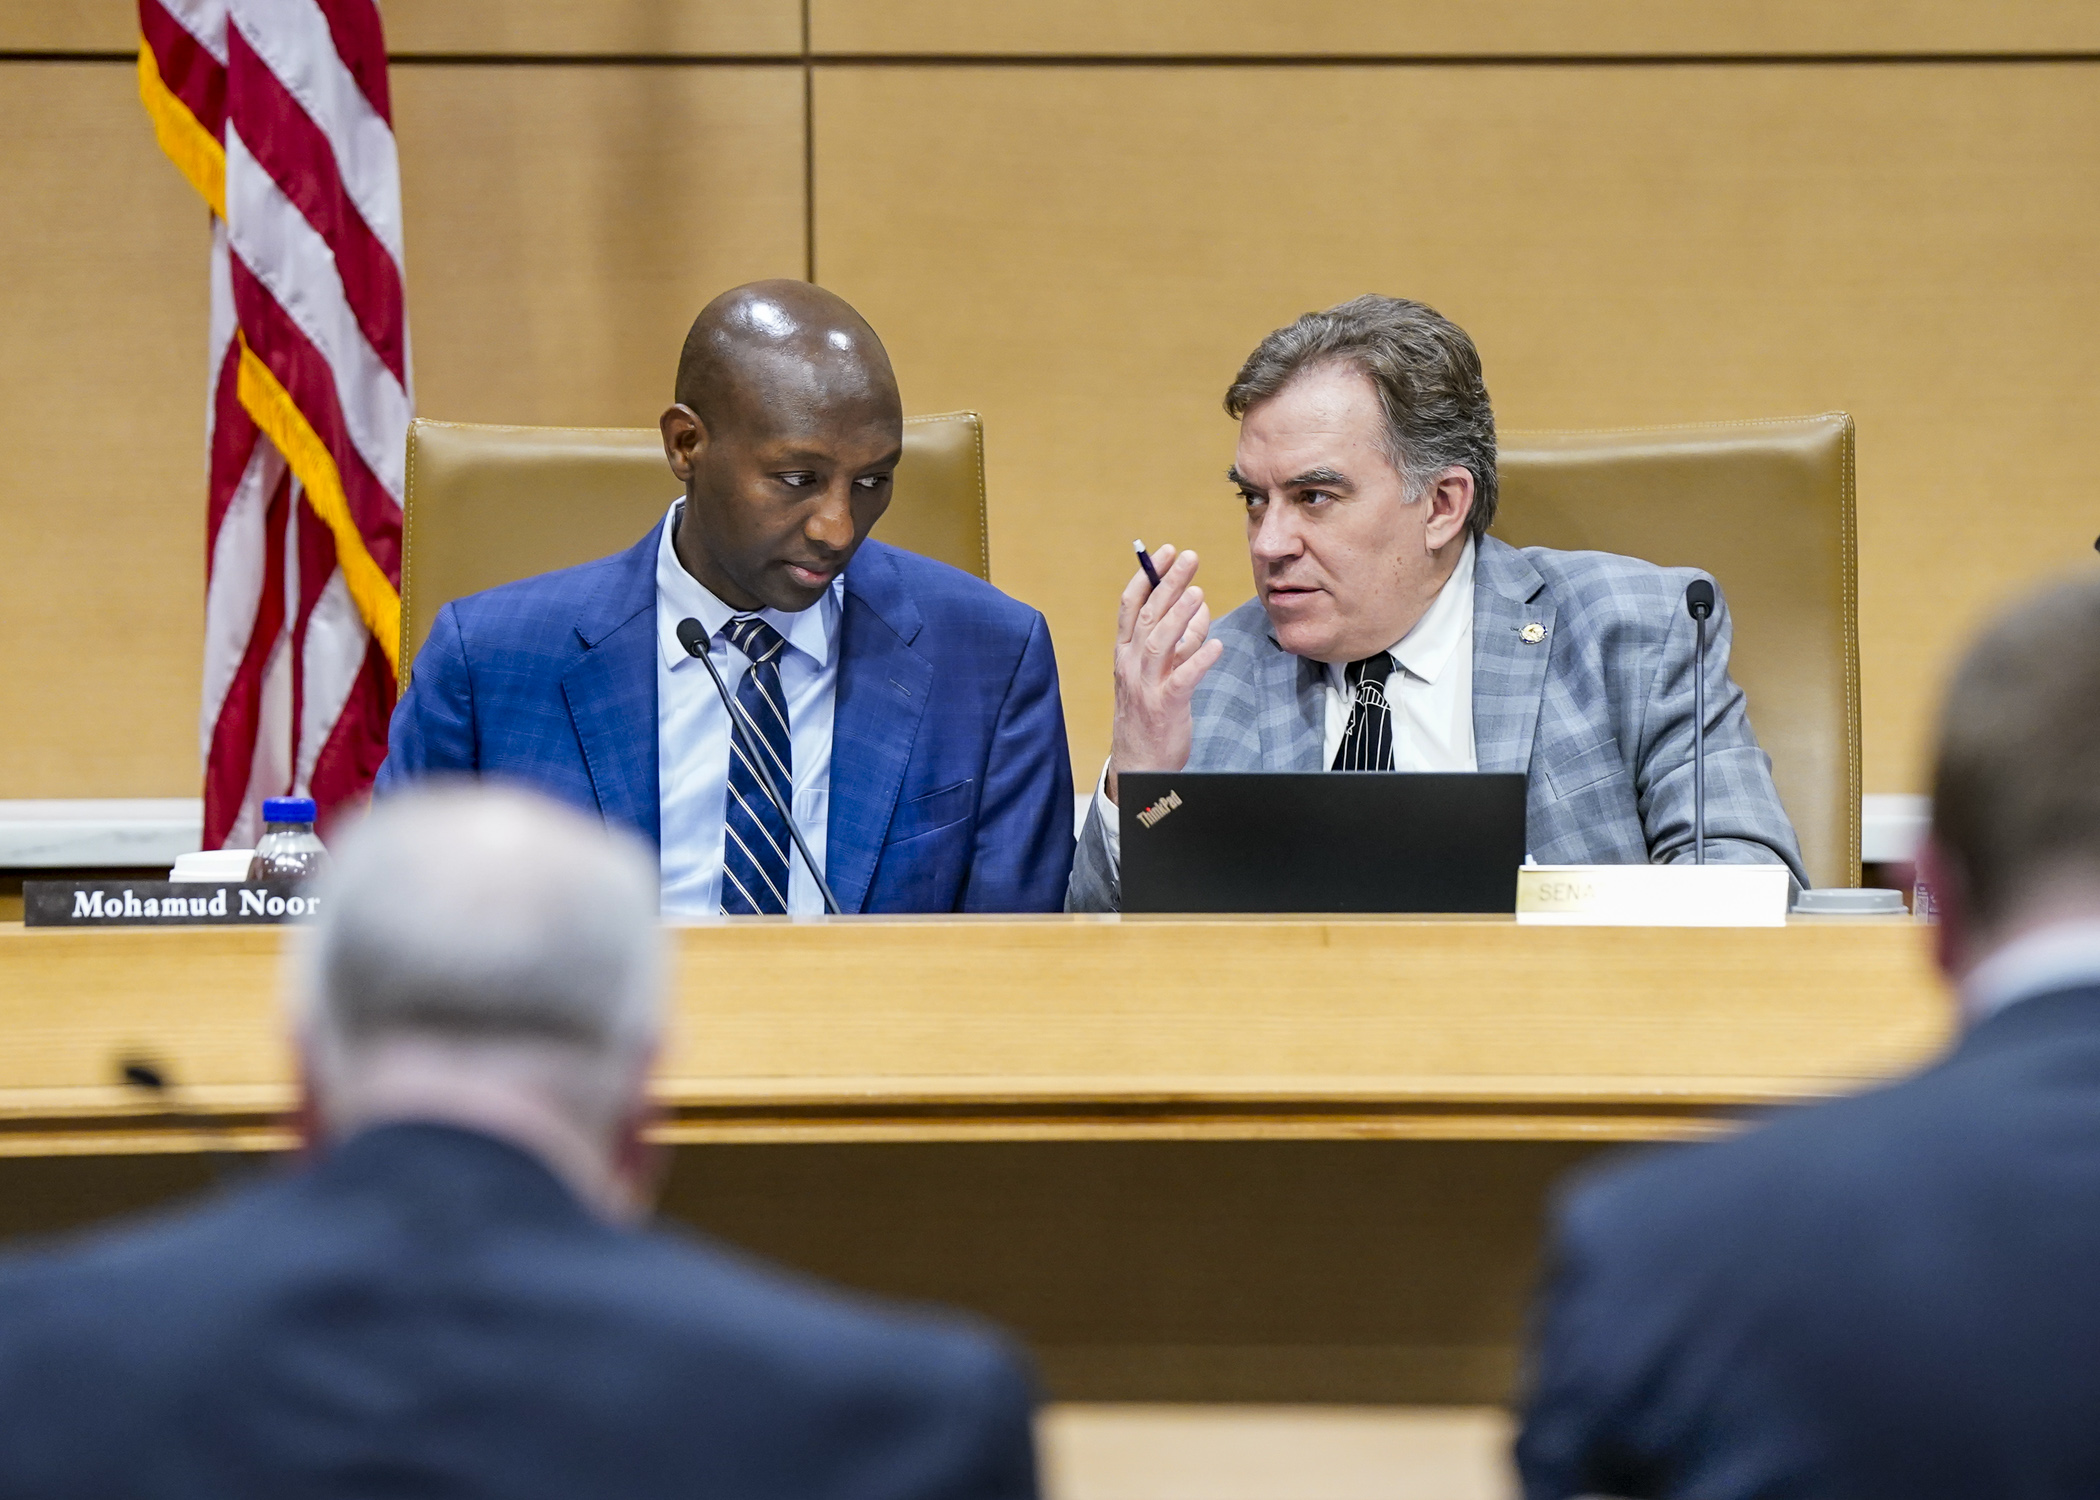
(2016, 790)
(489, 959)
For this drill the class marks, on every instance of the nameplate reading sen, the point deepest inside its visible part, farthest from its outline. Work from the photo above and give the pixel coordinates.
(1652, 895)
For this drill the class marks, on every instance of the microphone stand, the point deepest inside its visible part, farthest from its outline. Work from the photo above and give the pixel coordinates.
(745, 733)
(1699, 603)
(1699, 753)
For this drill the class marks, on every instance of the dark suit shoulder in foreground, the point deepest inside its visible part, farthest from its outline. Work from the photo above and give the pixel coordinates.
(429, 1312)
(1891, 1295)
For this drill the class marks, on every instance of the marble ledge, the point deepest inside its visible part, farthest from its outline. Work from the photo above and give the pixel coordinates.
(98, 832)
(75, 833)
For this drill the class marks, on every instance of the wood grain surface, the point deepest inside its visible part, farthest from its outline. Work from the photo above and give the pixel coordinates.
(104, 257)
(1085, 251)
(565, 224)
(1427, 28)
(1276, 1160)
(1109, 28)
(1086, 255)
(1063, 1028)
(467, 27)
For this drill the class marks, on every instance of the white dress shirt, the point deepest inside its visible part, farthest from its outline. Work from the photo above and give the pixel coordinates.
(2060, 956)
(692, 732)
(1430, 690)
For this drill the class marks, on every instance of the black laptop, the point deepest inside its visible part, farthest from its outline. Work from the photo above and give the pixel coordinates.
(1288, 841)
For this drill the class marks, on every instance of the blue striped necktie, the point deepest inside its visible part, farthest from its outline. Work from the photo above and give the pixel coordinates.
(754, 835)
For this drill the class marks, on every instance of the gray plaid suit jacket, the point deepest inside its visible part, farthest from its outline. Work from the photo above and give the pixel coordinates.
(1598, 714)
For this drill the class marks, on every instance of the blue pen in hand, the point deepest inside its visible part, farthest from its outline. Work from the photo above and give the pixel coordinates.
(1145, 562)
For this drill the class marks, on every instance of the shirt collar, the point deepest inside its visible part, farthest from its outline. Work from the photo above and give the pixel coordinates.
(2061, 956)
(1427, 649)
(680, 596)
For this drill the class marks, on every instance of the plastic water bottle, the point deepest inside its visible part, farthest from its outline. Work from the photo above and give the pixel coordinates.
(289, 848)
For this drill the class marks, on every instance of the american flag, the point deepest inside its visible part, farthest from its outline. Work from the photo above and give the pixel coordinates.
(277, 113)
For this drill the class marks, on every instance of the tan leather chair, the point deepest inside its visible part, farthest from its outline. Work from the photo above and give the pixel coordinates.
(487, 505)
(1766, 507)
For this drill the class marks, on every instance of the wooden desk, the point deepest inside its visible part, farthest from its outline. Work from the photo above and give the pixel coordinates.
(1065, 1028)
(1293, 1160)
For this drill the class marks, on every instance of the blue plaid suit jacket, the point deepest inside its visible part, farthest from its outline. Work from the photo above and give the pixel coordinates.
(1598, 714)
(950, 785)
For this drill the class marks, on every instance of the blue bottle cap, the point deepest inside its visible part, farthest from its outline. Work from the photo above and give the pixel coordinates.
(288, 809)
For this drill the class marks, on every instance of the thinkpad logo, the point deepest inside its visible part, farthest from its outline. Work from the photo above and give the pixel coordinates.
(1160, 809)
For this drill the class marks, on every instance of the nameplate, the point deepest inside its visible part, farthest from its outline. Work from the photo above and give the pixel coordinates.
(162, 903)
(1652, 895)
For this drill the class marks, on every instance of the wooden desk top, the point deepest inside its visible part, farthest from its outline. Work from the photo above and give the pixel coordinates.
(1064, 1027)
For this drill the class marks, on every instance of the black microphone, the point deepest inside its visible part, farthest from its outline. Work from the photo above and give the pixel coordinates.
(152, 1079)
(1699, 600)
(693, 636)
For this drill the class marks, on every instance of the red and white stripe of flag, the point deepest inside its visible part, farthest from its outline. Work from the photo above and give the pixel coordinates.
(277, 111)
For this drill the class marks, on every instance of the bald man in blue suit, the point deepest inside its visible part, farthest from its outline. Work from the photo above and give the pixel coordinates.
(912, 708)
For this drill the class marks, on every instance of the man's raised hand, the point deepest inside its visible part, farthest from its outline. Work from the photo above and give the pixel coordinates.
(1163, 648)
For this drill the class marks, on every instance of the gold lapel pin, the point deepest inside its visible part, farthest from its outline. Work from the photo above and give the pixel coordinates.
(1532, 634)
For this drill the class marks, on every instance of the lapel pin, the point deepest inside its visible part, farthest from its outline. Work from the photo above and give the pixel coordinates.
(1532, 634)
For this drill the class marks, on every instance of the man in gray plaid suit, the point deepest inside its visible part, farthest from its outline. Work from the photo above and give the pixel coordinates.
(1389, 631)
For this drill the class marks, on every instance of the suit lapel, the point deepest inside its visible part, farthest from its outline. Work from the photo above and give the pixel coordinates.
(883, 688)
(611, 692)
(1509, 672)
(1293, 710)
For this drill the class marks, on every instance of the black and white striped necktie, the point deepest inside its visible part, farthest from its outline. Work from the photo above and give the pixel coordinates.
(754, 835)
(1367, 744)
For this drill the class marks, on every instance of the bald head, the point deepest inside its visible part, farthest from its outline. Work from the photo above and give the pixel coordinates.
(758, 346)
(786, 429)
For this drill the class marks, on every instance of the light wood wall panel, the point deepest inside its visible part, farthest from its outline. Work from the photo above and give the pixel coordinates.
(578, 27)
(564, 224)
(1417, 27)
(69, 25)
(469, 26)
(1410, 28)
(1086, 254)
(103, 257)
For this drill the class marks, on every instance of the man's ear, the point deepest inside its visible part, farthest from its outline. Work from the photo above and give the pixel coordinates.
(1952, 937)
(1450, 502)
(639, 1163)
(309, 1124)
(684, 436)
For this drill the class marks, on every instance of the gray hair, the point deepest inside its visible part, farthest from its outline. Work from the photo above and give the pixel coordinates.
(1427, 375)
(487, 919)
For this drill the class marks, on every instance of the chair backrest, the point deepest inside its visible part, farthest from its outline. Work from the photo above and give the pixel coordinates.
(487, 505)
(1766, 507)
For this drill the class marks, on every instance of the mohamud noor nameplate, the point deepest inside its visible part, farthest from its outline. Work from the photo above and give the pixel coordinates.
(1320, 841)
(163, 903)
